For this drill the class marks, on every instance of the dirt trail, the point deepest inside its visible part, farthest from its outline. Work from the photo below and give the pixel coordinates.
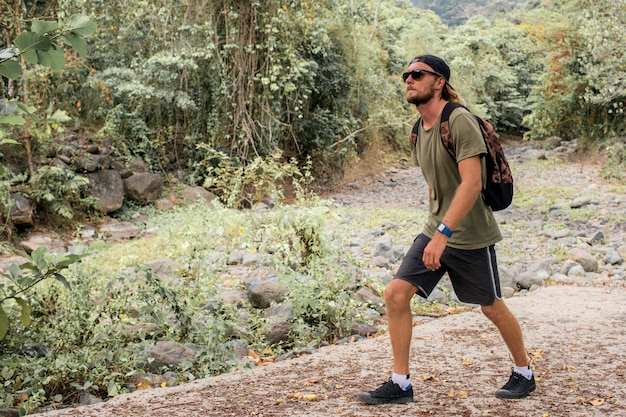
(577, 336)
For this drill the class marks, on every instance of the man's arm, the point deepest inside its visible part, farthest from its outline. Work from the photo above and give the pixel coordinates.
(463, 201)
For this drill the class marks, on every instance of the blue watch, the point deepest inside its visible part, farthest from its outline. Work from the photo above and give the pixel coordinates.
(444, 229)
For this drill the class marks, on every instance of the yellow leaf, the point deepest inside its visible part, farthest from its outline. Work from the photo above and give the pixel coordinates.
(463, 394)
(467, 361)
(279, 400)
(311, 397)
(163, 384)
(143, 385)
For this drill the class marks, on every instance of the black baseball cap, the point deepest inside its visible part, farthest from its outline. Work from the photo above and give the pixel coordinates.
(437, 64)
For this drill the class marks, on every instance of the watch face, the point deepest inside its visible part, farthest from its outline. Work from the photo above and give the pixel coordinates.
(441, 227)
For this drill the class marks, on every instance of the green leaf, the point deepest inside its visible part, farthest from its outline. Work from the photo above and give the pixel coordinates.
(38, 254)
(15, 272)
(4, 324)
(54, 58)
(77, 43)
(63, 281)
(60, 116)
(11, 69)
(26, 310)
(12, 120)
(30, 42)
(7, 107)
(80, 25)
(42, 27)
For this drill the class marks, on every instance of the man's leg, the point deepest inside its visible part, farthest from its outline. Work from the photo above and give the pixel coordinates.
(522, 382)
(398, 296)
(510, 330)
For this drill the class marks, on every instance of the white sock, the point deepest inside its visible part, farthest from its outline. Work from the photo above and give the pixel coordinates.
(404, 381)
(525, 371)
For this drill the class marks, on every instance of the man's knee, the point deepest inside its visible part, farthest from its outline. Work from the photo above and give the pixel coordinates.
(399, 293)
(497, 311)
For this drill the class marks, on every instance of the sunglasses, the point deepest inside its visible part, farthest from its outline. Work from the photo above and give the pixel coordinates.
(416, 74)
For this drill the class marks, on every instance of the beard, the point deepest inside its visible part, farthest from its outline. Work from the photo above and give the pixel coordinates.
(419, 99)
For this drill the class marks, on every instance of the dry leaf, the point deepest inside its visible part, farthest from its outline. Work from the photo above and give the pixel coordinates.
(427, 377)
(451, 393)
(463, 394)
(467, 361)
(595, 402)
(163, 384)
(312, 381)
(279, 400)
(143, 385)
(311, 397)
(254, 357)
(294, 396)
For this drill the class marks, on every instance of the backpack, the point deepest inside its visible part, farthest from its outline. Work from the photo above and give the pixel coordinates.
(498, 192)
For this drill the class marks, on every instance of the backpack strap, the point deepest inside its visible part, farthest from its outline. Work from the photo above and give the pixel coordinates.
(444, 127)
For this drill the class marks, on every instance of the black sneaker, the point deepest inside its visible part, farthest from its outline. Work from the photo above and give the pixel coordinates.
(387, 393)
(517, 387)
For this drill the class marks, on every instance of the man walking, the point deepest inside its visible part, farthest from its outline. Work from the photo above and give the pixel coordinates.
(458, 237)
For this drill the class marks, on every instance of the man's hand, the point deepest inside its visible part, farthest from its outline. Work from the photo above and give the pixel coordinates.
(434, 250)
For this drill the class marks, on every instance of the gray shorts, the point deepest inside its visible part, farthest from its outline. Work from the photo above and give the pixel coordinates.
(474, 273)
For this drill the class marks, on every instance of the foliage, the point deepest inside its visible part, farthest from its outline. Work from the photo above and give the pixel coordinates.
(323, 305)
(494, 88)
(243, 185)
(615, 164)
(58, 190)
(42, 45)
(39, 266)
(121, 302)
(457, 12)
(581, 94)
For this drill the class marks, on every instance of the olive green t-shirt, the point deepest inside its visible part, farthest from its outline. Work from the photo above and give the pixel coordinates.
(479, 228)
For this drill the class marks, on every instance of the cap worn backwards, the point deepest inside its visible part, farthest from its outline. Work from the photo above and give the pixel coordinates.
(437, 64)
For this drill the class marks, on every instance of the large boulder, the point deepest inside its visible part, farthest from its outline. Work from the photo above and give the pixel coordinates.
(143, 187)
(108, 188)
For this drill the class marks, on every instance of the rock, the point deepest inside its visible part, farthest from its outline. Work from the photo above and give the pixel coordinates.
(363, 329)
(193, 194)
(580, 202)
(21, 212)
(143, 187)
(108, 188)
(279, 332)
(528, 279)
(585, 259)
(37, 240)
(168, 354)
(370, 297)
(262, 295)
(86, 398)
(612, 257)
(120, 230)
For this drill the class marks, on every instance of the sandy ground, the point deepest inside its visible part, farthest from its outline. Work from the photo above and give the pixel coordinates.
(576, 335)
